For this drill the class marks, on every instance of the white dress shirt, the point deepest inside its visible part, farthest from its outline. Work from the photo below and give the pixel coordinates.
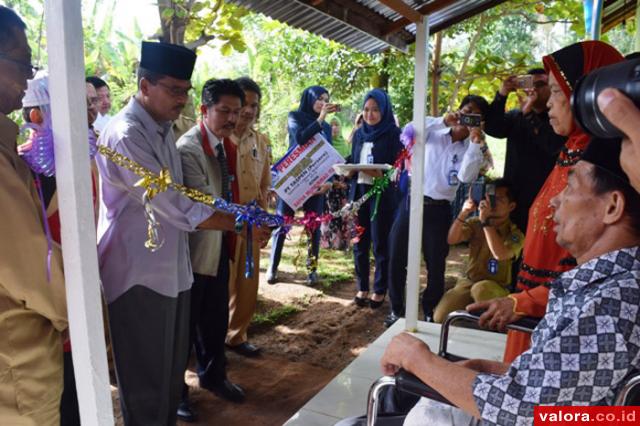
(447, 163)
(101, 122)
(213, 141)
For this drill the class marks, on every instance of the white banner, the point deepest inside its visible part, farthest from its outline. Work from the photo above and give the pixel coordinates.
(299, 174)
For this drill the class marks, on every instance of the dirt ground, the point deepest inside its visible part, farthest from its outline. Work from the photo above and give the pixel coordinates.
(307, 335)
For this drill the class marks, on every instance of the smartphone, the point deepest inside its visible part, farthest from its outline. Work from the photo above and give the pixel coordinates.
(338, 107)
(490, 190)
(477, 192)
(524, 81)
(471, 120)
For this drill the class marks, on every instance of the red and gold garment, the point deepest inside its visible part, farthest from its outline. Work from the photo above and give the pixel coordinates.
(543, 259)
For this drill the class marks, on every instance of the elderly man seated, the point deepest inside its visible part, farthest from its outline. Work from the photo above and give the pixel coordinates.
(589, 338)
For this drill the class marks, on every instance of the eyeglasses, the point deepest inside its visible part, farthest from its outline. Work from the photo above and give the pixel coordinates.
(28, 69)
(176, 91)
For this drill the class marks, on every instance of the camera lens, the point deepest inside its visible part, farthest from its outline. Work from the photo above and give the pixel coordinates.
(624, 76)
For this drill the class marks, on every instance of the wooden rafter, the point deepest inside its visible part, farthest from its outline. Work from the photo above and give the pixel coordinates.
(361, 17)
(403, 9)
(612, 18)
(427, 9)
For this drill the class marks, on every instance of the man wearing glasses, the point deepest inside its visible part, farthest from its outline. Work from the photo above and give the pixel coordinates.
(532, 145)
(33, 311)
(148, 293)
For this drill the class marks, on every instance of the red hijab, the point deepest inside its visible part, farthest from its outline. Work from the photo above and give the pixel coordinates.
(543, 258)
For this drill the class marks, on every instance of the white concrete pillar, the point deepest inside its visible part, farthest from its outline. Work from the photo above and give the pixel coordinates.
(69, 112)
(417, 172)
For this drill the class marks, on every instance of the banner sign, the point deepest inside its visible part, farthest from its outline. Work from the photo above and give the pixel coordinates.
(299, 174)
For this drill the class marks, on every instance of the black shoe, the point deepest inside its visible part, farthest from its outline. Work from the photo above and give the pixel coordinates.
(272, 278)
(361, 301)
(428, 318)
(312, 278)
(225, 390)
(246, 349)
(391, 319)
(375, 304)
(185, 413)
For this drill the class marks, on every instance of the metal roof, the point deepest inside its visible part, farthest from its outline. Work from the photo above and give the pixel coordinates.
(616, 11)
(366, 25)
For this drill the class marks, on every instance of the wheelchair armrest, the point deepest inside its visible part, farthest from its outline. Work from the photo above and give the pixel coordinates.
(629, 393)
(525, 324)
(407, 382)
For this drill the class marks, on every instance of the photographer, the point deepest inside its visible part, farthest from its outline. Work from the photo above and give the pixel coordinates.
(543, 258)
(303, 124)
(623, 114)
(532, 145)
(494, 242)
(452, 155)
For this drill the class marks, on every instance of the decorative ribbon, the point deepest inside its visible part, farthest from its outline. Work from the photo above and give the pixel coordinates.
(155, 234)
(379, 185)
(251, 213)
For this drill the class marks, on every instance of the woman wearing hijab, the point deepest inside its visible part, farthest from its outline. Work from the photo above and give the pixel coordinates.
(304, 123)
(376, 142)
(543, 259)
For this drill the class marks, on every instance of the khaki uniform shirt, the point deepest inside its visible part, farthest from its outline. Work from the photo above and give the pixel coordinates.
(253, 167)
(482, 264)
(33, 311)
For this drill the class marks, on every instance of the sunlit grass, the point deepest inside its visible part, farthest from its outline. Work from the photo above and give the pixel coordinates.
(275, 315)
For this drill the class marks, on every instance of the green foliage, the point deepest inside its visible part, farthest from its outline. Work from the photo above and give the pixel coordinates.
(274, 316)
(476, 53)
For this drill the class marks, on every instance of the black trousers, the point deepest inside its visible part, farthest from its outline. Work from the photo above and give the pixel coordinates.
(209, 323)
(314, 204)
(398, 248)
(436, 220)
(376, 231)
(149, 336)
(69, 410)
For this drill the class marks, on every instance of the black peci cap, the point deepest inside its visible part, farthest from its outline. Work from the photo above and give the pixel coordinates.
(168, 59)
(605, 154)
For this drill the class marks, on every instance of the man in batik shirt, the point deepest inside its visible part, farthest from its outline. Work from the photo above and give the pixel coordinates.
(589, 338)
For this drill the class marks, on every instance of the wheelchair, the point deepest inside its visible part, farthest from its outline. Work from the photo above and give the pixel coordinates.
(403, 381)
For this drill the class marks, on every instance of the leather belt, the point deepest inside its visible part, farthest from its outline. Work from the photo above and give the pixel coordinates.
(431, 202)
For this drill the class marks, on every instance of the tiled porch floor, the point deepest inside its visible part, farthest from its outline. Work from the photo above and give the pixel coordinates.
(346, 394)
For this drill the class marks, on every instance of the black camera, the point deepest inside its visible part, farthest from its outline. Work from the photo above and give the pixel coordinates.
(479, 190)
(470, 120)
(624, 76)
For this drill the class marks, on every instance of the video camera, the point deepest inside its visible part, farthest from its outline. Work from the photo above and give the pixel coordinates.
(624, 76)
(479, 190)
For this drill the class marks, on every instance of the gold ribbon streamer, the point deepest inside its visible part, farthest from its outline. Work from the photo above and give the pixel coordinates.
(151, 182)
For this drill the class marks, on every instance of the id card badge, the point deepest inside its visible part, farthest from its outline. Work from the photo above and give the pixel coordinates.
(492, 266)
(453, 177)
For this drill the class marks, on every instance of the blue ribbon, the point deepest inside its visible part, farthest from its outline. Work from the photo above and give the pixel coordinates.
(252, 215)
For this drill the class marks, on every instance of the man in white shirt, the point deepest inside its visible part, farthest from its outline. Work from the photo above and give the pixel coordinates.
(452, 155)
(104, 102)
